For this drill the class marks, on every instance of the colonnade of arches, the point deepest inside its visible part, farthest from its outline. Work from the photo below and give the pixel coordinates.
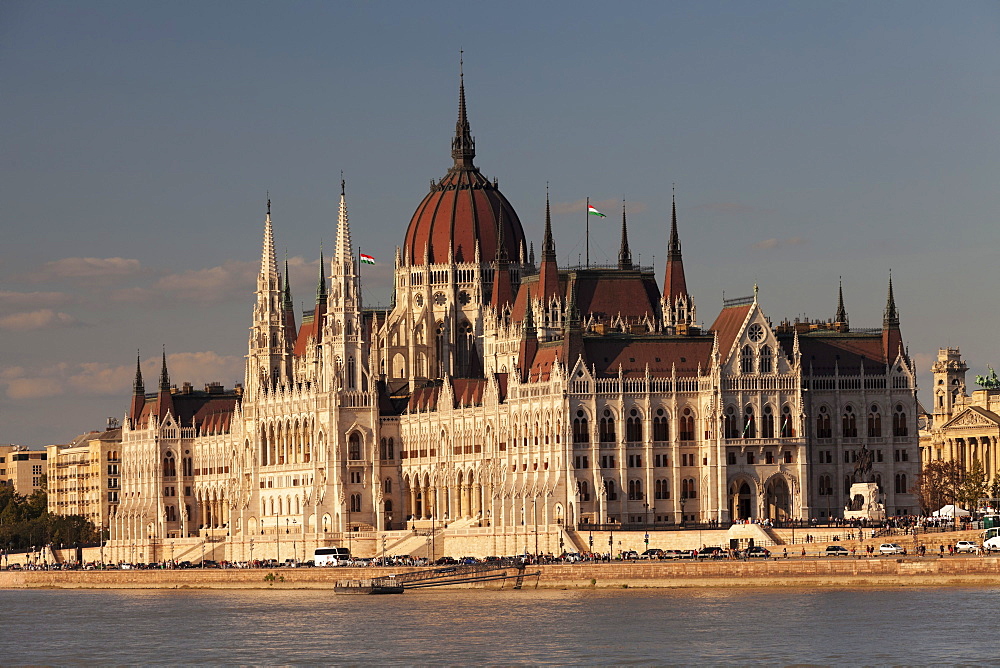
(657, 426)
(424, 497)
(750, 500)
(288, 442)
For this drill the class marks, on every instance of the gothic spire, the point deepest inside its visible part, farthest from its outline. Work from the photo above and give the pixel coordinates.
(548, 245)
(138, 387)
(463, 145)
(674, 283)
(287, 291)
(343, 253)
(891, 317)
(164, 376)
(268, 265)
(674, 245)
(321, 284)
(841, 317)
(624, 255)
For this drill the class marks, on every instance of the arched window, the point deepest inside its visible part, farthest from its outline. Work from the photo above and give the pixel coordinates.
(767, 422)
(731, 425)
(635, 490)
(823, 429)
(354, 446)
(687, 425)
(899, 426)
(584, 490)
(688, 489)
(661, 426)
(633, 427)
(901, 483)
(609, 490)
(746, 360)
(169, 466)
(607, 430)
(466, 349)
(661, 489)
(388, 505)
(787, 426)
(390, 449)
(581, 431)
(355, 503)
(849, 423)
(351, 371)
(171, 513)
(440, 344)
(749, 423)
(874, 422)
(766, 359)
(387, 486)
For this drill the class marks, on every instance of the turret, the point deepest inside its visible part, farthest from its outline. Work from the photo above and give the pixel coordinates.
(138, 393)
(679, 314)
(892, 340)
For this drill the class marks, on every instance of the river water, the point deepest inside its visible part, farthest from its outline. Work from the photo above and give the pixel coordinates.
(923, 626)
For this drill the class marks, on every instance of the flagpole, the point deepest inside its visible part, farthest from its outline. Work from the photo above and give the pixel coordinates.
(586, 212)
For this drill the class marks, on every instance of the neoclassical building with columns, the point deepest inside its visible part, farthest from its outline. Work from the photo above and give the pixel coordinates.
(503, 403)
(963, 428)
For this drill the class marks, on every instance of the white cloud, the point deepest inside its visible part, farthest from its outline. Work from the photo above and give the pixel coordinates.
(13, 301)
(768, 244)
(86, 267)
(100, 379)
(41, 319)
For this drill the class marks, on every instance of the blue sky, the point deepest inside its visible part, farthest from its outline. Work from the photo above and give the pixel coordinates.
(807, 141)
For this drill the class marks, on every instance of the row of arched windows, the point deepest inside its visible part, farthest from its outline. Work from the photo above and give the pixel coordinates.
(764, 362)
(745, 425)
(633, 426)
(849, 422)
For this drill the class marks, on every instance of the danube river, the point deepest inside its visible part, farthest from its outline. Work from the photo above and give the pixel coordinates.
(719, 626)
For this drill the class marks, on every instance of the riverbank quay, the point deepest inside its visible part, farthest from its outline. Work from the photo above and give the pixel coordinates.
(773, 573)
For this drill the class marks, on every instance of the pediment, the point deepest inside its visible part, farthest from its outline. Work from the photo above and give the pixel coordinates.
(973, 417)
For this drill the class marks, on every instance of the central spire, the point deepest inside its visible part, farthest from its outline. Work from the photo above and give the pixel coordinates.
(624, 254)
(463, 146)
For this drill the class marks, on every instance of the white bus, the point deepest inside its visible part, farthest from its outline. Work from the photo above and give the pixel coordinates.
(991, 540)
(331, 556)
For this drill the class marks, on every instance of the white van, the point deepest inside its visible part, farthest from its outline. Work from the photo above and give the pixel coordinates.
(331, 556)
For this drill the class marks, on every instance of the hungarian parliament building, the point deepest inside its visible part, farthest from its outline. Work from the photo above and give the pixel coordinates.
(501, 397)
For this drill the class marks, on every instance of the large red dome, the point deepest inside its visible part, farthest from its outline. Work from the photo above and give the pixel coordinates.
(463, 209)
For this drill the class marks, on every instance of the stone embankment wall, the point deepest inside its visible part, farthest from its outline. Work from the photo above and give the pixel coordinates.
(832, 572)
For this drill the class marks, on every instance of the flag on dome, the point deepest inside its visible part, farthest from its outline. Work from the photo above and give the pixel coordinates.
(367, 259)
(594, 212)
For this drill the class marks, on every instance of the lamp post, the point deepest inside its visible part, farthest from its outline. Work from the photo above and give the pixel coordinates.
(534, 522)
(611, 545)
(591, 540)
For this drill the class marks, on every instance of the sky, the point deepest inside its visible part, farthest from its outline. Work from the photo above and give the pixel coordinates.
(808, 143)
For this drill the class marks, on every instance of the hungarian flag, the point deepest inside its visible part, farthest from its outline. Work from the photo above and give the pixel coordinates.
(367, 259)
(594, 212)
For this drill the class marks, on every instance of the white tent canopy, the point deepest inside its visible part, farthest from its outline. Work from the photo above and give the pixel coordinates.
(951, 511)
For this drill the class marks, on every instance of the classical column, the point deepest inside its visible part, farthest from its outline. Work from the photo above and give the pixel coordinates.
(477, 500)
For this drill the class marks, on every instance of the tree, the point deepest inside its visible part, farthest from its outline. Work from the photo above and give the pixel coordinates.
(974, 486)
(938, 485)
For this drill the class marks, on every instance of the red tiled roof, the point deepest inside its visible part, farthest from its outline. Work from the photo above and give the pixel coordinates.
(467, 391)
(727, 325)
(826, 352)
(661, 353)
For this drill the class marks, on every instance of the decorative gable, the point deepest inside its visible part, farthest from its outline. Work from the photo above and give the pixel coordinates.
(974, 418)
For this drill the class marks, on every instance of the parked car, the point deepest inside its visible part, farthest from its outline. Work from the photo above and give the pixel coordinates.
(966, 546)
(837, 551)
(652, 553)
(629, 555)
(568, 557)
(710, 553)
(758, 552)
(891, 548)
(674, 554)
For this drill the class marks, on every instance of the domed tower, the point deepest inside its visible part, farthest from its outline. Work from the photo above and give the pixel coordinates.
(460, 233)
